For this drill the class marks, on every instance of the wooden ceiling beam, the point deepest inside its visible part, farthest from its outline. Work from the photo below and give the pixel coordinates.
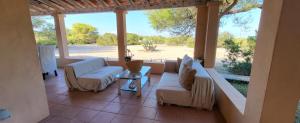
(91, 3)
(131, 3)
(75, 3)
(52, 4)
(99, 4)
(41, 5)
(146, 2)
(103, 3)
(162, 3)
(64, 3)
(32, 10)
(85, 3)
(117, 2)
(37, 8)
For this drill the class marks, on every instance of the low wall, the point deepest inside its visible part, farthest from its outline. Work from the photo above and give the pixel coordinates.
(156, 67)
(230, 102)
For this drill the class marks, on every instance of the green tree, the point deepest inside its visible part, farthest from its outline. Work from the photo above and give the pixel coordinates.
(222, 37)
(44, 31)
(239, 55)
(181, 21)
(107, 39)
(37, 22)
(133, 39)
(81, 33)
(177, 21)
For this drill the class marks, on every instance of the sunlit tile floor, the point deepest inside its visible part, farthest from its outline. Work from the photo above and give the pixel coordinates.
(107, 107)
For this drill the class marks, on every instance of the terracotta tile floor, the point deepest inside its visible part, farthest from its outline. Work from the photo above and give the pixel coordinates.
(107, 107)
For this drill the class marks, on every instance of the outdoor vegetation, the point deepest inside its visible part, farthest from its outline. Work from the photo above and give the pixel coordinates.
(298, 114)
(241, 86)
(81, 34)
(239, 55)
(180, 23)
(44, 31)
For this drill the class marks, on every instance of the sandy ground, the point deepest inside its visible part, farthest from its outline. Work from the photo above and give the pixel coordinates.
(163, 52)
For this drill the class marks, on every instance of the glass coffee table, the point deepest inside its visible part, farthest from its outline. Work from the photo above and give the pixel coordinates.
(134, 82)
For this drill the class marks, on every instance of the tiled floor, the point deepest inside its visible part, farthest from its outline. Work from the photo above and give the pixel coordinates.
(107, 107)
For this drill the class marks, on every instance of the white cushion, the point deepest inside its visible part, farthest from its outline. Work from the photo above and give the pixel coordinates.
(170, 91)
(100, 79)
(86, 66)
(186, 60)
(201, 95)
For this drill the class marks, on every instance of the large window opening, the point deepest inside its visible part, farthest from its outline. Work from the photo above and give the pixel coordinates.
(298, 113)
(236, 45)
(92, 35)
(44, 31)
(153, 41)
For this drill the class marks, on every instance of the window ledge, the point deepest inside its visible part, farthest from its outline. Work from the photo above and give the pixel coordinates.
(234, 95)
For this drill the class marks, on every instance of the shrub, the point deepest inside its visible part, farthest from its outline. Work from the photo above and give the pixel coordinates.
(222, 37)
(157, 39)
(108, 39)
(46, 42)
(239, 56)
(241, 86)
(133, 39)
(149, 45)
(177, 40)
(298, 114)
(190, 42)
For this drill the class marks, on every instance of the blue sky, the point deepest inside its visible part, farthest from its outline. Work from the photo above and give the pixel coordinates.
(137, 22)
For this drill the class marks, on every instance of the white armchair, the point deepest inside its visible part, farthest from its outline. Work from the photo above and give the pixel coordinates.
(47, 59)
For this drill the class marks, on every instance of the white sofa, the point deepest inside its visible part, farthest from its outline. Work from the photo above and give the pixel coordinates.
(170, 91)
(90, 74)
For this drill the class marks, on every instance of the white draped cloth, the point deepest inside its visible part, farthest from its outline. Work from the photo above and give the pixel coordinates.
(201, 95)
(203, 89)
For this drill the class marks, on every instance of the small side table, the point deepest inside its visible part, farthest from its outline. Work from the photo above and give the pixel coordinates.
(140, 80)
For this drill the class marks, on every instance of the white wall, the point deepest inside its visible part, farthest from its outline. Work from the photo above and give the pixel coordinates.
(22, 89)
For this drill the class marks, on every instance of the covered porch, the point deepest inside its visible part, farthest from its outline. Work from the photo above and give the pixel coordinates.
(108, 107)
(273, 92)
(206, 29)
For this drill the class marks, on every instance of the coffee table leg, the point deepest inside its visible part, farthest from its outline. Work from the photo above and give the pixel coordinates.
(119, 86)
(149, 78)
(139, 88)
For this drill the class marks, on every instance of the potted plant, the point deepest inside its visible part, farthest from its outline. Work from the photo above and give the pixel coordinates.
(128, 55)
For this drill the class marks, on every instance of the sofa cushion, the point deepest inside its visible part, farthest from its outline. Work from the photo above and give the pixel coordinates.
(187, 76)
(185, 61)
(99, 79)
(203, 88)
(201, 95)
(179, 60)
(86, 66)
(170, 91)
